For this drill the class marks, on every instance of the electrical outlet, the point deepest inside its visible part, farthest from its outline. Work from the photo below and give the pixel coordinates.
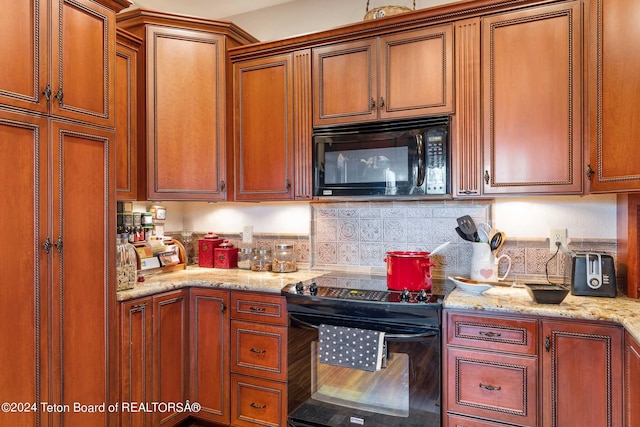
(247, 234)
(558, 235)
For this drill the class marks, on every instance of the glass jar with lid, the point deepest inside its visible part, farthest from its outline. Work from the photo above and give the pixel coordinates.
(284, 259)
(126, 263)
(244, 258)
(261, 260)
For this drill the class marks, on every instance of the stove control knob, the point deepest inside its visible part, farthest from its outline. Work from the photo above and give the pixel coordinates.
(299, 287)
(405, 295)
(422, 295)
(313, 288)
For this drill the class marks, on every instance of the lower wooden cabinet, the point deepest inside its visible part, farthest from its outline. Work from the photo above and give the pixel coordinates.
(183, 345)
(209, 345)
(504, 370)
(632, 382)
(582, 373)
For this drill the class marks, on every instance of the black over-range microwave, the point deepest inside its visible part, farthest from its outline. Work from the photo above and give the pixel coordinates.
(392, 158)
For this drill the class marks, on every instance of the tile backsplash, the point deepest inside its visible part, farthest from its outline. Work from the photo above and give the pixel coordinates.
(357, 235)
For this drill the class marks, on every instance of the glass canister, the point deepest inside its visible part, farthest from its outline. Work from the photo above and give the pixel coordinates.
(126, 263)
(284, 259)
(244, 258)
(261, 260)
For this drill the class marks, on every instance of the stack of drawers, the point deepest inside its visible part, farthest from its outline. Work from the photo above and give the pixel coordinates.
(491, 371)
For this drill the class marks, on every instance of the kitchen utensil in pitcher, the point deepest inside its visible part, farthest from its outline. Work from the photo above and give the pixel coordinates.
(468, 227)
(496, 242)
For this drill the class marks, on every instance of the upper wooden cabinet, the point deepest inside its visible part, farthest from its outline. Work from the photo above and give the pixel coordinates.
(272, 127)
(126, 113)
(532, 104)
(614, 95)
(53, 69)
(399, 75)
(181, 103)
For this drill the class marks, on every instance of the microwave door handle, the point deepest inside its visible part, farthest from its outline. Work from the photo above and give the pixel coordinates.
(421, 160)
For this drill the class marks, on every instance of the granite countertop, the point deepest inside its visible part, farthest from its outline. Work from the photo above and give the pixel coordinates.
(498, 299)
(516, 300)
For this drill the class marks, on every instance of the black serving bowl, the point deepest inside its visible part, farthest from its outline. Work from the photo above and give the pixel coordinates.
(547, 294)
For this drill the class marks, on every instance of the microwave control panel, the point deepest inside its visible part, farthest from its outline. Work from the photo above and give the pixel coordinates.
(436, 171)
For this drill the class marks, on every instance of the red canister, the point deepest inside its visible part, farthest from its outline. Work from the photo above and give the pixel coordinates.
(408, 270)
(206, 245)
(225, 256)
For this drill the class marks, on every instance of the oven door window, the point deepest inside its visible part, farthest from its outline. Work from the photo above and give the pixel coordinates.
(385, 391)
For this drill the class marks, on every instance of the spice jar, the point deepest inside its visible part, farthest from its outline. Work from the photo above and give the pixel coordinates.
(126, 263)
(284, 259)
(244, 258)
(261, 261)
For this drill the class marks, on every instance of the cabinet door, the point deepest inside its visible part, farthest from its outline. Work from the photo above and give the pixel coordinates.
(531, 63)
(170, 353)
(126, 115)
(23, 43)
(24, 359)
(263, 105)
(185, 109)
(83, 290)
(345, 83)
(581, 374)
(135, 360)
(416, 73)
(209, 353)
(83, 52)
(466, 123)
(614, 95)
(632, 385)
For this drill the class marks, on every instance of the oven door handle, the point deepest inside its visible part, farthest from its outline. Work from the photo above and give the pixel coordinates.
(425, 334)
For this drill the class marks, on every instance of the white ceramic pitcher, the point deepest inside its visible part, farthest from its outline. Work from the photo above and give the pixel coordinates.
(484, 266)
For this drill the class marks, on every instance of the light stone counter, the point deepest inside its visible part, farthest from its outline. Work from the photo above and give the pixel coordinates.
(622, 310)
(216, 278)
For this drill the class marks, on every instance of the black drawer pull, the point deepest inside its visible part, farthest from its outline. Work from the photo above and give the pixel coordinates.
(260, 309)
(255, 405)
(255, 350)
(490, 334)
(490, 387)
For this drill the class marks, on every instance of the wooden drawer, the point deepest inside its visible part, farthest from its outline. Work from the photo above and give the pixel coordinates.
(257, 402)
(257, 307)
(507, 334)
(493, 386)
(258, 349)
(458, 421)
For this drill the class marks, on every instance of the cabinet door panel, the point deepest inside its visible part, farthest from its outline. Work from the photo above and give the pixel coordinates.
(135, 359)
(582, 372)
(209, 336)
(23, 41)
(185, 108)
(614, 94)
(126, 116)
(632, 385)
(171, 362)
(23, 190)
(264, 117)
(532, 101)
(83, 268)
(418, 74)
(83, 50)
(344, 83)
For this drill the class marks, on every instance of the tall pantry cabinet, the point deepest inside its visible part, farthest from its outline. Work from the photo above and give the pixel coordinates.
(56, 172)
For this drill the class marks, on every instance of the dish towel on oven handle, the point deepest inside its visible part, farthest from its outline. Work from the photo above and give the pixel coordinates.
(351, 347)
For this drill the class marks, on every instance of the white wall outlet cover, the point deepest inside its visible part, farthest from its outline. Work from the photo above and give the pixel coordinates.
(247, 234)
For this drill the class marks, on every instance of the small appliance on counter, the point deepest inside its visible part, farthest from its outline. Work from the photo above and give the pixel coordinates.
(592, 274)
(206, 245)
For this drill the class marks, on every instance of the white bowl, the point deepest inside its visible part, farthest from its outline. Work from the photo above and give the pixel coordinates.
(474, 288)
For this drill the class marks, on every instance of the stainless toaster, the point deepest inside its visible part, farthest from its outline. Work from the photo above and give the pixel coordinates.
(593, 274)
